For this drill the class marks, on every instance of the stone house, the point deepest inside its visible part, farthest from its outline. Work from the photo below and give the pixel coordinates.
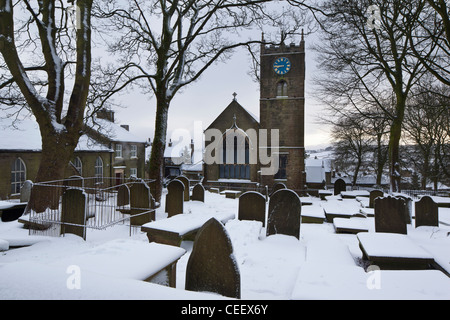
(97, 154)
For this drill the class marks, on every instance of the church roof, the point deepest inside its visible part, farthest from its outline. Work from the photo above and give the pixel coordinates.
(234, 114)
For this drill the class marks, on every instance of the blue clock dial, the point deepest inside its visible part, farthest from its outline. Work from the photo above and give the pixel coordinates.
(282, 66)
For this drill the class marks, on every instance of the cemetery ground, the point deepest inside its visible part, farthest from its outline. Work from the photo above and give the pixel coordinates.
(320, 264)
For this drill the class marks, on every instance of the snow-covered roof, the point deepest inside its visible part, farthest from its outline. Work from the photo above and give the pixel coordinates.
(114, 131)
(24, 135)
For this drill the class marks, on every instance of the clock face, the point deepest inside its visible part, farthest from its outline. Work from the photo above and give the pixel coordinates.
(282, 66)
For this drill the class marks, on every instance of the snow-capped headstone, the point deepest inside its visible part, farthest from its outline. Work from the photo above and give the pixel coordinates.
(212, 266)
(252, 206)
(73, 214)
(174, 197)
(427, 212)
(198, 193)
(284, 213)
(408, 207)
(373, 195)
(25, 191)
(390, 215)
(185, 181)
(278, 186)
(123, 195)
(339, 186)
(141, 201)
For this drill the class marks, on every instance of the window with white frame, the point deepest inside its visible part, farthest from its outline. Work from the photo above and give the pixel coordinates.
(133, 151)
(118, 151)
(78, 165)
(133, 172)
(18, 175)
(99, 170)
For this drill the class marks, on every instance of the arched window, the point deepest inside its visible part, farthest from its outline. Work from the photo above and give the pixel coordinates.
(78, 165)
(18, 175)
(282, 89)
(98, 170)
(235, 157)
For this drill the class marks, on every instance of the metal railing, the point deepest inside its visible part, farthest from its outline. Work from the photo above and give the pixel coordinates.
(77, 204)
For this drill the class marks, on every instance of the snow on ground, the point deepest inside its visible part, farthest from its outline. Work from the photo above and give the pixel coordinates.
(321, 265)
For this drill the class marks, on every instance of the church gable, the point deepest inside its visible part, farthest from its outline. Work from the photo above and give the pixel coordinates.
(244, 120)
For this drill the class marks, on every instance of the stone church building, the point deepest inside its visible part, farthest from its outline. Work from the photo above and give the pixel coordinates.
(282, 108)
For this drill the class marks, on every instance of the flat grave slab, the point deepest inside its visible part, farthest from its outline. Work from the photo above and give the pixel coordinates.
(355, 193)
(231, 194)
(341, 209)
(393, 251)
(131, 259)
(180, 227)
(312, 214)
(353, 225)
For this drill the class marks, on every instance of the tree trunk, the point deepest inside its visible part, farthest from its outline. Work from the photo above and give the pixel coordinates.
(158, 147)
(394, 153)
(57, 150)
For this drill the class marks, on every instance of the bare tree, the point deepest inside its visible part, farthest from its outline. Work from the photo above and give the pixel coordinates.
(39, 85)
(366, 55)
(426, 126)
(166, 45)
(352, 144)
(431, 42)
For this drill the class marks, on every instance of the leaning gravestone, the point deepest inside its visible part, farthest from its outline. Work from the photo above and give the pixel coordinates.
(278, 186)
(212, 266)
(427, 212)
(198, 193)
(284, 213)
(408, 207)
(339, 186)
(123, 195)
(25, 191)
(185, 181)
(373, 195)
(175, 197)
(252, 206)
(390, 215)
(141, 204)
(73, 212)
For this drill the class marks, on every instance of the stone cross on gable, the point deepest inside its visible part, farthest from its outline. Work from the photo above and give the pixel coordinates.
(234, 96)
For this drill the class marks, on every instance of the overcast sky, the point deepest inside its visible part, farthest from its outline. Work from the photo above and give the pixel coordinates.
(210, 95)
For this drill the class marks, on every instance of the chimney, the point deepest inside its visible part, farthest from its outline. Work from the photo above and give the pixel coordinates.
(106, 114)
(170, 142)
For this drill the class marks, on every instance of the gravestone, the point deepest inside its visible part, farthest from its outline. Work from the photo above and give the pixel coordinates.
(284, 213)
(123, 195)
(427, 212)
(252, 206)
(185, 181)
(390, 215)
(211, 266)
(339, 186)
(198, 193)
(141, 204)
(373, 195)
(175, 197)
(73, 212)
(408, 207)
(25, 191)
(278, 186)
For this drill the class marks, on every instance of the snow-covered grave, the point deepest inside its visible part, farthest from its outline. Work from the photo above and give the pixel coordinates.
(322, 264)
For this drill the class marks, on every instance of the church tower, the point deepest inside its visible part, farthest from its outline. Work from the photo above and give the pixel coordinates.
(282, 107)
